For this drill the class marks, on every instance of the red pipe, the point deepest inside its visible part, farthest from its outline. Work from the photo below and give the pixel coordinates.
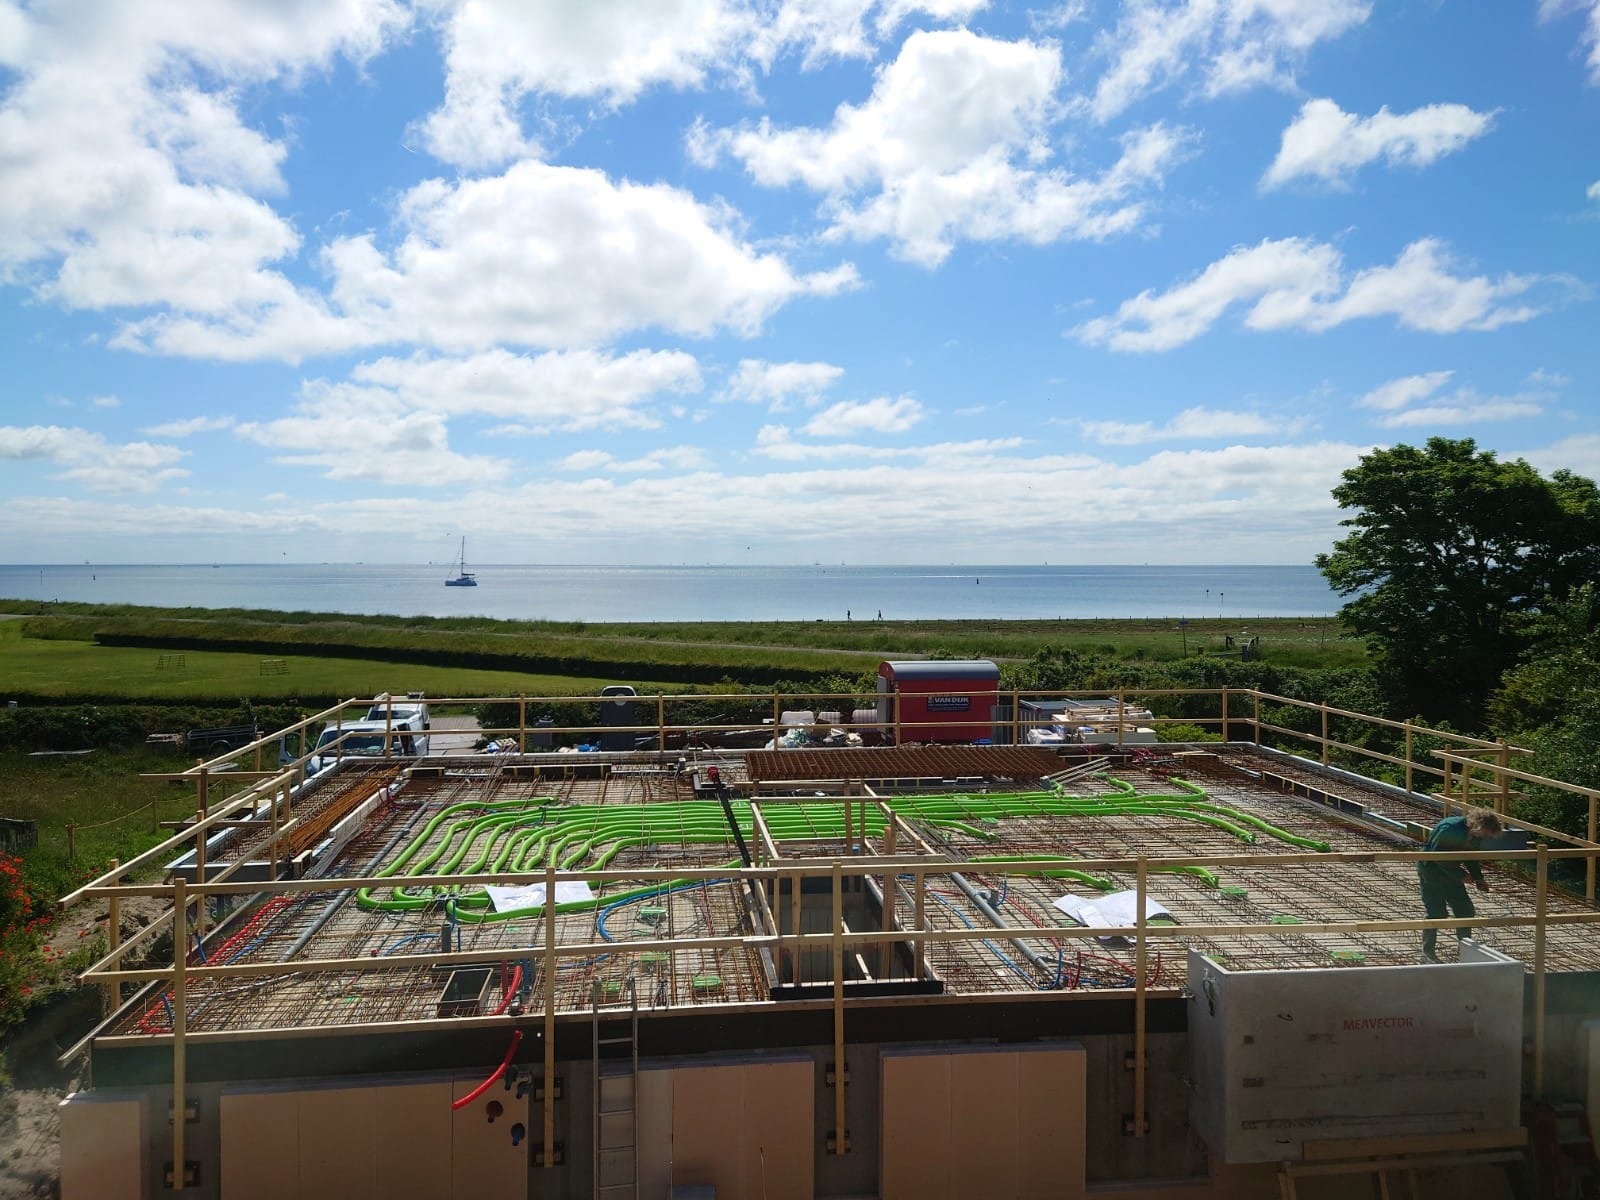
(516, 1038)
(509, 990)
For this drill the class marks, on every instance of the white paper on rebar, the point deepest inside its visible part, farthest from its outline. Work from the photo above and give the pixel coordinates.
(531, 895)
(1119, 910)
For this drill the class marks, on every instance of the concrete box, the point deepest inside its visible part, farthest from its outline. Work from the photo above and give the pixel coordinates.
(1281, 1058)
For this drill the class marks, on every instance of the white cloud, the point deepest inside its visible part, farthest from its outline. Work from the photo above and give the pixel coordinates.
(880, 415)
(777, 383)
(1192, 424)
(498, 53)
(106, 401)
(777, 442)
(610, 51)
(1232, 44)
(648, 256)
(666, 458)
(559, 390)
(1401, 393)
(585, 460)
(1579, 453)
(128, 171)
(1466, 407)
(1550, 9)
(1401, 403)
(1246, 497)
(88, 459)
(349, 432)
(1328, 144)
(1593, 191)
(952, 143)
(189, 427)
(1540, 377)
(1294, 283)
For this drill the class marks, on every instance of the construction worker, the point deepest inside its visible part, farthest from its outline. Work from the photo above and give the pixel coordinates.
(1444, 889)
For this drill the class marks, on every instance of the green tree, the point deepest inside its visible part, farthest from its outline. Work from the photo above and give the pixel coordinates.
(1549, 704)
(1452, 553)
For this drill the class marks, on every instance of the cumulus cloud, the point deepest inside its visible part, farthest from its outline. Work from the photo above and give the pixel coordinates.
(1465, 407)
(88, 459)
(1414, 401)
(1192, 424)
(777, 383)
(1295, 283)
(1579, 453)
(564, 391)
(189, 427)
(1402, 393)
(501, 53)
(777, 442)
(674, 458)
(1551, 9)
(349, 432)
(1232, 45)
(650, 255)
(880, 415)
(1326, 143)
(609, 51)
(952, 144)
(129, 177)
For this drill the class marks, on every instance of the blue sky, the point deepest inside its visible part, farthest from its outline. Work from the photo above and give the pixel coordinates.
(778, 281)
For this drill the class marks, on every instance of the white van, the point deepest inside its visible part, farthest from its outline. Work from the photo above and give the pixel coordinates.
(408, 706)
(404, 736)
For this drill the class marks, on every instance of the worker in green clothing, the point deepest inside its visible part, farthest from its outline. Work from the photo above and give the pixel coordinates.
(1444, 889)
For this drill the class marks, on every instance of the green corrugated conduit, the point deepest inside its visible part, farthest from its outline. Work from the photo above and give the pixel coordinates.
(527, 835)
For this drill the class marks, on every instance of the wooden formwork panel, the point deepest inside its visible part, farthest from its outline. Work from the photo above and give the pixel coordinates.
(102, 1148)
(375, 1142)
(744, 1128)
(983, 1122)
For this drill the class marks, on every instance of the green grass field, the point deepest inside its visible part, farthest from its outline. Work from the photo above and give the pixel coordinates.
(53, 667)
(53, 654)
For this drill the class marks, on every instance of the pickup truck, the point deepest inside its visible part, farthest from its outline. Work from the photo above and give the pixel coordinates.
(405, 736)
(409, 707)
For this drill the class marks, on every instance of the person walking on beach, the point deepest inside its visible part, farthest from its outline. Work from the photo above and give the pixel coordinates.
(1444, 889)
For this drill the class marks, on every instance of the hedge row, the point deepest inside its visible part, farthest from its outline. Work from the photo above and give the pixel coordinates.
(531, 663)
(86, 726)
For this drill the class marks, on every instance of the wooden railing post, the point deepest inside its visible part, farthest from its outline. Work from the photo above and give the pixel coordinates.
(1225, 737)
(840, 1143)
(112, 996)
(1141, 877)
(1409, 764)
(1588, 863)
(550, 965)
(1541, 903)
(180, 1019)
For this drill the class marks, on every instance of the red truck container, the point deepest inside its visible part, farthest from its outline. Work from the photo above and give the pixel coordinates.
(937, 701)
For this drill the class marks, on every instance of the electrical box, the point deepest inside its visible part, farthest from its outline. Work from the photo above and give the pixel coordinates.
(1281, 1058)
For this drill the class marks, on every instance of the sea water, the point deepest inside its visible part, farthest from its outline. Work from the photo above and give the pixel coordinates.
(701, 593)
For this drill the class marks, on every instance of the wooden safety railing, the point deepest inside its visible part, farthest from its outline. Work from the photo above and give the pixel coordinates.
(1467, 770)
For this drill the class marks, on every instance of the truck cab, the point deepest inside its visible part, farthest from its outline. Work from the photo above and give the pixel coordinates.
(405, 736)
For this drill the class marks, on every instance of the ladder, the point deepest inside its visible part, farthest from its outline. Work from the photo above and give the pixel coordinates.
(616, 1114)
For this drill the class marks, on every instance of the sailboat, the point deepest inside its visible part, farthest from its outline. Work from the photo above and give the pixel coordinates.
(462, 577)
